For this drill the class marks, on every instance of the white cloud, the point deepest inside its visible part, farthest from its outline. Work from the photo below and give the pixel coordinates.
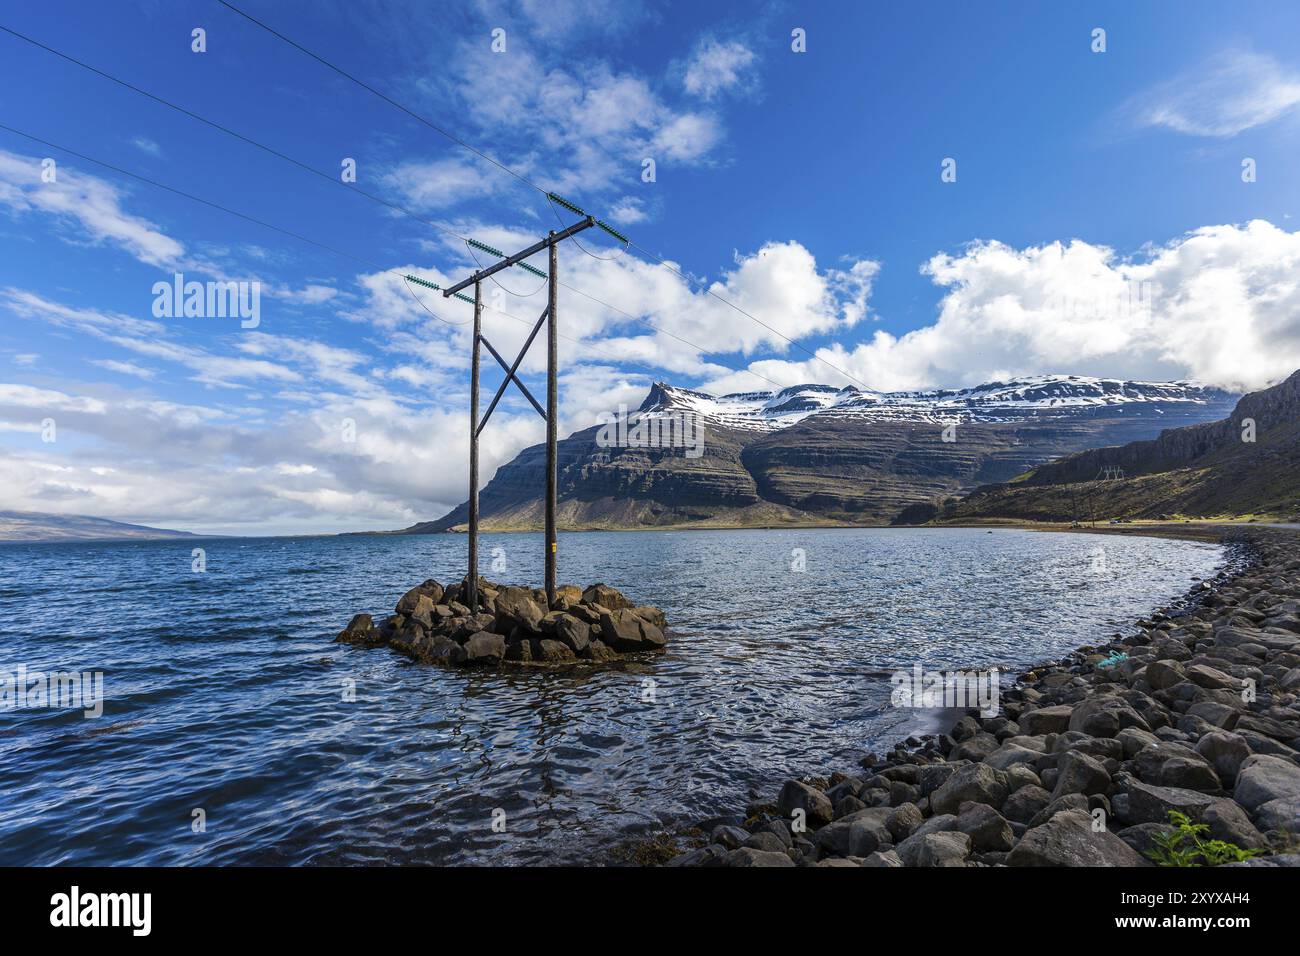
(716, 67)
(125, 368)
(628, 211)
(91, 203)
(146, 145)
(1231, 93)
(1220, 305)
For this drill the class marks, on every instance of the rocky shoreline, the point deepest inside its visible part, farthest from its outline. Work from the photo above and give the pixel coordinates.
(512, 625)
(1089, 760)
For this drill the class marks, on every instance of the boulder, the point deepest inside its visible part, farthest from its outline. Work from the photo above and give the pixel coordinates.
(1282, 814)
(947, 848)
(1225, 752)
(1170, 764)
(903, 821)
(573, 633)
(800, 796)
(988, 830)
(606, 597)
(976, 782)
(1263, 778)
(1046, 720)
(515, 607)
(869, 831)
(430, 589)
(1148, 803)
(1026, 803)
(1079, 773)
(624, 631)
(1203, 675)
(1104, 717)
(1227, 821)
(1068, 839)
(360, 630)
(553, 652)
(484, 648)
(888, 859)
(748, 856)
(1162, 675)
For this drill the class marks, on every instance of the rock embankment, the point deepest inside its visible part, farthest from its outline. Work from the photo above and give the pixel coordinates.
(1198, 712)
(512, 624)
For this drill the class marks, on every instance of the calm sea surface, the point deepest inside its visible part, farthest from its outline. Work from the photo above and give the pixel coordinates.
(226, 695)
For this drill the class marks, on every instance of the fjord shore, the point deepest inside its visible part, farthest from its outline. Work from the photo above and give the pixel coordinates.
(1197, 712)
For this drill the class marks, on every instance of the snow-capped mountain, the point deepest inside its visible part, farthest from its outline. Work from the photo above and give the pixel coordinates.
(816, 453)
(1017, 400)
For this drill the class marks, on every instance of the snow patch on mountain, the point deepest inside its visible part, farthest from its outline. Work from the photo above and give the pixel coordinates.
(1024, 398)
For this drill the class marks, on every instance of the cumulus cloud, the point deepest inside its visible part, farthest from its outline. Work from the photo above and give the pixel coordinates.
(1220, 305)
(1231, 93)
(716, 67)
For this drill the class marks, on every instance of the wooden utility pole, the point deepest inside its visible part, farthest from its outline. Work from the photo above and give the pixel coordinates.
(552, 360)
(473, 449)
(551, 412)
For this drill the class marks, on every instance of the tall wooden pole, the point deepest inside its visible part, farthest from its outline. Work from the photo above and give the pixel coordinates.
(473, 451)
(552, 360)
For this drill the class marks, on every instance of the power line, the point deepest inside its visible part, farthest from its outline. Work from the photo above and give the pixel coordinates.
(526, 181)
(351, 188)
(370, 264)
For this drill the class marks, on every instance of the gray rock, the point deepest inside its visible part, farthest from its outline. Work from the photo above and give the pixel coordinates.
(988, 830)
(1079, 773)
(1148, 803)
(1068, 839)
(1069, 801)
(886, 858)
(946, 849)
(1227, 821)
(1026, 803)
(976, 782)
(1170, 764)
(730, 837)
(625, 631)
(573, 632)
(763, 840)
(748, 856)
(800, 796)
(515, 607)
(712, 855)
(1046, 720)
(903, 822)
(1282, 814)
(1225, 751)
(485, 647)
(1009, 755)
(1104, 717)
(1262, 779)
(1164, 674)
(1204, 676)
(782, 832)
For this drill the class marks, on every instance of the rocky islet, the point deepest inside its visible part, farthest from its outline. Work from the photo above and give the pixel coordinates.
(514, 625)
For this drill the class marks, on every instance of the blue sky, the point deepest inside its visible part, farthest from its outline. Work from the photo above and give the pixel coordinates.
(803, 187)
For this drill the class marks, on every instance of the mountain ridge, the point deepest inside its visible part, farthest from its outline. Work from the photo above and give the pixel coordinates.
(817, 454)
(1245, 464)
(39, 526)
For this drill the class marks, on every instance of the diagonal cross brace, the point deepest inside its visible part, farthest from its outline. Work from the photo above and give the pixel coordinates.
(510, 372)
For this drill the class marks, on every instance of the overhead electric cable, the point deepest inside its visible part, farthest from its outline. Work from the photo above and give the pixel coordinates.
(528, 182)
(332, 249)
(367, 195)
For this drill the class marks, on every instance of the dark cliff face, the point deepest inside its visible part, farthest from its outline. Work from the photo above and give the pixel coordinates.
(1203, 470)
(824, 467)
